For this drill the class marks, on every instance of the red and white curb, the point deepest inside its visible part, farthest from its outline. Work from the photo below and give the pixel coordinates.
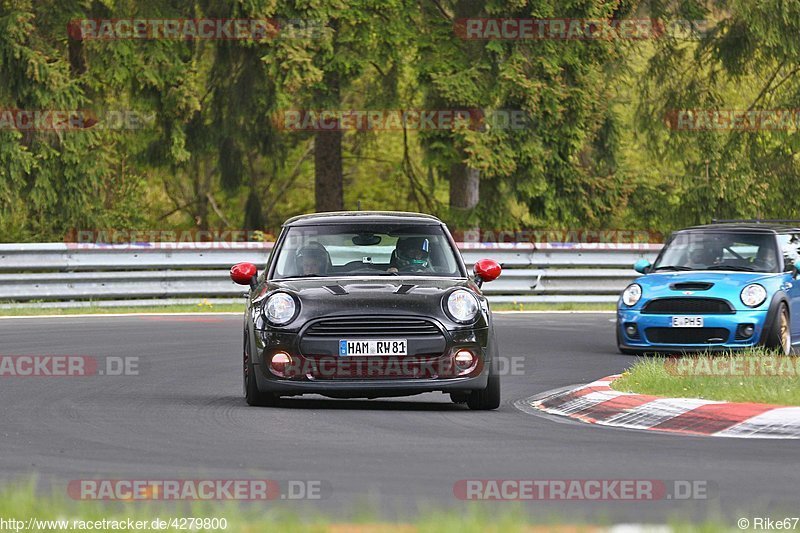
(597, 403)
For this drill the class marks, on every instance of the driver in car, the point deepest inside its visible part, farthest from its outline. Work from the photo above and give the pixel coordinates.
(705, 255)
(312, 259)
(411, 254)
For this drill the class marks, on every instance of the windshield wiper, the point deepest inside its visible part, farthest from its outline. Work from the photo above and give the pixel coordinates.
(673, 267)
(731, 267)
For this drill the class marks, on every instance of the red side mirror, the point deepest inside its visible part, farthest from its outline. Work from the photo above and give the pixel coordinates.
(243, 273)
(487, 269)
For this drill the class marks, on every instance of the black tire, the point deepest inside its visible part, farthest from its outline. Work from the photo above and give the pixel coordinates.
(459, 397)
(252, 395)
(779, 337)
(488, 398)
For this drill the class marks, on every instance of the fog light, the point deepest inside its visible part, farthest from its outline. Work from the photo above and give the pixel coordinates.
(465, 360)
(632, 331)
(745, 331)
(279, 363)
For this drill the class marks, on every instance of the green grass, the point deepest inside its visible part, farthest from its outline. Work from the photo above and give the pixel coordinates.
(33, 310)
(727, 377)
(21, 501)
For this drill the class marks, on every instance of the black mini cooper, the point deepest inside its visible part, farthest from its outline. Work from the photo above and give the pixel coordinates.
(367, 305)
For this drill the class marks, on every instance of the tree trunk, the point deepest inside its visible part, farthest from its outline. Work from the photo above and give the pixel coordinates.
(464, 186)
(328, 174)
(465, 181)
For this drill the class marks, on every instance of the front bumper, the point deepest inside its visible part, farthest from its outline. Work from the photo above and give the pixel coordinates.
(721, 332)
(352, 377)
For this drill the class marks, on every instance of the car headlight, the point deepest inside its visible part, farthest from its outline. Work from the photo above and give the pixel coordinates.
(632, 294)
(462, 305)
(280, 308)
(753, 295)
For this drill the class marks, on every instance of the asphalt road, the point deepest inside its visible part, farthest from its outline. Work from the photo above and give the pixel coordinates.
(183, 416)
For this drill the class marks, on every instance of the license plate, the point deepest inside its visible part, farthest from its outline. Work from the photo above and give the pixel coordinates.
(687, 322)
(373, 347)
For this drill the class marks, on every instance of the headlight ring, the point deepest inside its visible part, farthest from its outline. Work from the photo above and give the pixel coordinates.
(462, 306)
(753, 295)
(280, 309)
(632, 294)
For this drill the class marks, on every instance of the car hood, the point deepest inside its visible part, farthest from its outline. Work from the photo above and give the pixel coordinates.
(366, 286)
(725, 285)
(371, 296)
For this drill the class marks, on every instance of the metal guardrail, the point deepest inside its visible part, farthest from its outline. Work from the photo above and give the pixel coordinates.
(58, 274)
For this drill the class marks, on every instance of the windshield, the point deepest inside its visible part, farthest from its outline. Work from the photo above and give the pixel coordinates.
(366, 250)
(749, 252)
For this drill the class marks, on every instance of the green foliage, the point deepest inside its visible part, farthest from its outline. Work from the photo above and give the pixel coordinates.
(595, 152)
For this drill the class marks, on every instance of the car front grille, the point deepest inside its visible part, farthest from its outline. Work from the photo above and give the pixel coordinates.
(374, 326)
(688, 306)
(687, 335)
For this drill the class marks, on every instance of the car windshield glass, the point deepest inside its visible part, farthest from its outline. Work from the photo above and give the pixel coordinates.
(366, 250)
(745, 252)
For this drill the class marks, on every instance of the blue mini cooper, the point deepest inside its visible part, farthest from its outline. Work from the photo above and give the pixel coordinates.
(716, 287)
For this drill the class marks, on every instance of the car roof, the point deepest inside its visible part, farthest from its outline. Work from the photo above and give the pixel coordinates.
(363, 217)
(744, 227)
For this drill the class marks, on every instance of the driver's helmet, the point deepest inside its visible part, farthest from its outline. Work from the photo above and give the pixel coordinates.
(413, 252)
(312, 259)
(707, 253)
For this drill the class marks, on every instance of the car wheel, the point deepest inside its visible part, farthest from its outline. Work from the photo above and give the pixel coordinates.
(252, 395)
(780, 336)
(488, 398)
(459, 397)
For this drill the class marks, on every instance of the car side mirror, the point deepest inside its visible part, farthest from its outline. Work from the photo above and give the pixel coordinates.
(486, 270)
(642, 266)
(244, 274)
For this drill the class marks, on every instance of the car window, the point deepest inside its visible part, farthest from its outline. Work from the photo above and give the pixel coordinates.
(790, 249)
(362, 250)
(756, 252)
(737, 250)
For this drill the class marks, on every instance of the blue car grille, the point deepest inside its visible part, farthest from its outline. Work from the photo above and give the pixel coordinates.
(687, 335)
(688, 306)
